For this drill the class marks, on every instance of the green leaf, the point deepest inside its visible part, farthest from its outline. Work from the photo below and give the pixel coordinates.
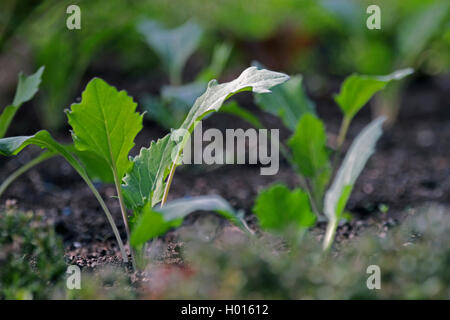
(360, 151)
(308, 145)
(106, 123)
(26, 89)
(357, 90)
(155, 222)
(279, 208)
(235, 109)
(250, 79)
(150, 224)
(287, 101)
(180, 208)
(173, 46)
(96, 167)
(145, 182)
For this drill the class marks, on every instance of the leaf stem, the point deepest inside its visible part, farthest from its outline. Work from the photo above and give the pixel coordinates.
(109, 217)
(343, 132)
(169, 180)
(13, 176)
(329, 234)
(124, 213)
(340, 141)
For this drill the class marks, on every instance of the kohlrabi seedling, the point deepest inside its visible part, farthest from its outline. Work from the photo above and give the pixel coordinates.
(174, 47)
(279, 208)
(104, 126)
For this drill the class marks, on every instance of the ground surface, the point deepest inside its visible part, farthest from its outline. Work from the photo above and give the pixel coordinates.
(411, 167)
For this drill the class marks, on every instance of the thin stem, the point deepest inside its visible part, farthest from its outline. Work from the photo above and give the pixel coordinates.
(109, 217)
(340, 141)
(124, 213)
(169, 180)
(329, 234)
(343, 131)
(13, 176)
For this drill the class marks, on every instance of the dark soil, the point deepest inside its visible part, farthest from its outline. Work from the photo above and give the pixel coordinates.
(411, 167)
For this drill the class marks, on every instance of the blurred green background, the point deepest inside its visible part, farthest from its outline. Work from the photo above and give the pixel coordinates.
(318, 38)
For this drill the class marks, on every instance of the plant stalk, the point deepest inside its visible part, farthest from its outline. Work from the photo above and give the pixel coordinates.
(169, 180)
(329, 234)
(110, 220)
(124, 214)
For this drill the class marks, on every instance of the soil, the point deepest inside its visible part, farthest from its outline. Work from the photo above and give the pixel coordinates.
(410, 167)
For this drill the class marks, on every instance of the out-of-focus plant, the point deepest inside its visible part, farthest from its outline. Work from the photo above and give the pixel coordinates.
(68, 53)
(412, 34)
(174, 47)
(279, 208)
(413, 260)
(148, 183)
(31, 256)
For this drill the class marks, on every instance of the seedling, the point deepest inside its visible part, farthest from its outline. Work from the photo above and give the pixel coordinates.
(104, 126)
(311, 158)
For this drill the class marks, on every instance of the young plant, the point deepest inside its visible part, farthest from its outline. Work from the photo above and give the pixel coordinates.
(311, 158)
(27, 87)
(149, 181)
(104, 126)
(174, 47)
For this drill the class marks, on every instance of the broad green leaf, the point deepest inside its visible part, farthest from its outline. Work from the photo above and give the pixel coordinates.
(96, 167)
(145, 182)
(360, 151)
(173, 46)
(308, 145)
(105, 123)
(357, 90)
(26, 89)
(252, 78)
(151, 223)
(279, 209)
(287, 101)
(235, 109)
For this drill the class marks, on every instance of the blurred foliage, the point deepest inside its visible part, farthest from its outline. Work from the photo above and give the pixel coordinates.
(305, 36)
(31, 256)
(414, 261)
